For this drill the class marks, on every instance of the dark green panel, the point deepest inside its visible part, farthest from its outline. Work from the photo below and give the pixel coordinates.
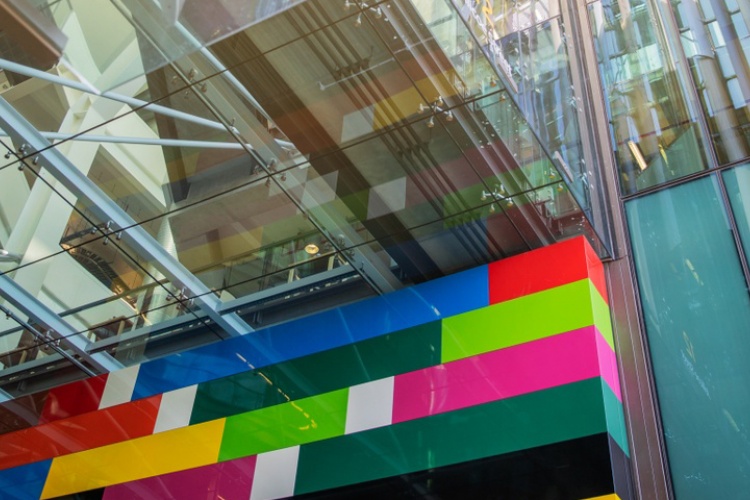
(376, 358)
(545, 417)
(615, 418)
(570, 470)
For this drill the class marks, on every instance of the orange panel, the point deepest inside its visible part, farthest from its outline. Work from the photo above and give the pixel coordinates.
(82, 432)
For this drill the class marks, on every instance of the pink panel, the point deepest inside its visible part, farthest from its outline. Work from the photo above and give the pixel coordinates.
(608, 365)
(529, 367)
(232, 479)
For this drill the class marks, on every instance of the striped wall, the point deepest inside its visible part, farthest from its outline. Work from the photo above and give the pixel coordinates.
(507, 368)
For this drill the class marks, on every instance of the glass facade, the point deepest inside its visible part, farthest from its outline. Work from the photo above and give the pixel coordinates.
(656, 135)
(186, 173)
(275, 150)
(675, 77)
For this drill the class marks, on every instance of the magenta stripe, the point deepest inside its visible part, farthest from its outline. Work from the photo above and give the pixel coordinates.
(232, 479)
(533, 366)
(608, 365)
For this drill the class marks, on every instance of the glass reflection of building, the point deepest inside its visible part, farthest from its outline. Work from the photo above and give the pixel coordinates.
(180, 173)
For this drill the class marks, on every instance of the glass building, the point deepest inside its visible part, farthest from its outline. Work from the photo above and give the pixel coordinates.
(357, 249)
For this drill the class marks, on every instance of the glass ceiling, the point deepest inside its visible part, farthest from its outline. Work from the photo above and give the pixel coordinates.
(173, 172)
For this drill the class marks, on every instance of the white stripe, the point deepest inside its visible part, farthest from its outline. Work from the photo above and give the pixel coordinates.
(119, 387)
(175, 409)
(275, 474)
(370, 405)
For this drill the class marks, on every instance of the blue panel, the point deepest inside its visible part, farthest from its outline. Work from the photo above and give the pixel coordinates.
(370, 318)
(24, 482)
(440, 298)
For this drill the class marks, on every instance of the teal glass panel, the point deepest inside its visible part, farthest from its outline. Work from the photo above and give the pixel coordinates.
(697, 314)
(737, 182)
(655, 134)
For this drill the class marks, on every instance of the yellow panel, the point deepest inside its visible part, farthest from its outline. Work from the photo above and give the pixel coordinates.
(406, 102)
(613, 496)
(161, 453)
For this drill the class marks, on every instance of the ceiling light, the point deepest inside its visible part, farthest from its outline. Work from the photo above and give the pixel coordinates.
(637, 155)
(312, 249)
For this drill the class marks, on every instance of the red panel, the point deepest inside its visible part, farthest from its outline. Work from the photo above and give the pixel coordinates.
(22, 412)
(596, 271)
(538, 270)
(82, 432)
(73, 399)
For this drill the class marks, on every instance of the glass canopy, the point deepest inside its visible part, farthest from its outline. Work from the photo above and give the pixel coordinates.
(177, 176)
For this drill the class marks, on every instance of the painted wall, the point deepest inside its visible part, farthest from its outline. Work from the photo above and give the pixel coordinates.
(504, 372)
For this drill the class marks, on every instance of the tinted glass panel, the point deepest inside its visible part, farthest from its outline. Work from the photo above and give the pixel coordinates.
(738, 187)
(697, 313)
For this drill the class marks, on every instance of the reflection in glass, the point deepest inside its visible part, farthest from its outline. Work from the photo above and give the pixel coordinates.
(655, 132)
(697, 314)
(715, 38)
(737, 181)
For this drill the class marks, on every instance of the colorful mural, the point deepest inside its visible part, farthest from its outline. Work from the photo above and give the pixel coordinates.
(507, 369)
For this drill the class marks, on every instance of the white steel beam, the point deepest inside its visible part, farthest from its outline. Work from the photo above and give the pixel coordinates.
(118, 221)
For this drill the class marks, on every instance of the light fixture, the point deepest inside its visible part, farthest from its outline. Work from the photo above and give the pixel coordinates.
(637, 155)
(312, 249)
(362, 6)
(435, 108)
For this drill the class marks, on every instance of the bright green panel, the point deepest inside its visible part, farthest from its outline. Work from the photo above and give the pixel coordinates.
(696, 310)
(544, 417)
(289, 424)
(527, 318)
(380, 357)
(602, 318)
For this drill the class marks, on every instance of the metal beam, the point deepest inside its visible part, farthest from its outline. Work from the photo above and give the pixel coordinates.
(143, 141)
(131, 101)
(118, 221)
(29, 305)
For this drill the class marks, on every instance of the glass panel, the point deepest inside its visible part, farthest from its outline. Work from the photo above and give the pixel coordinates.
(737, 182)
(720, 71)
(444, 30)
(141, 36)
(330, 88)
(655, 133)
(697, 314)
